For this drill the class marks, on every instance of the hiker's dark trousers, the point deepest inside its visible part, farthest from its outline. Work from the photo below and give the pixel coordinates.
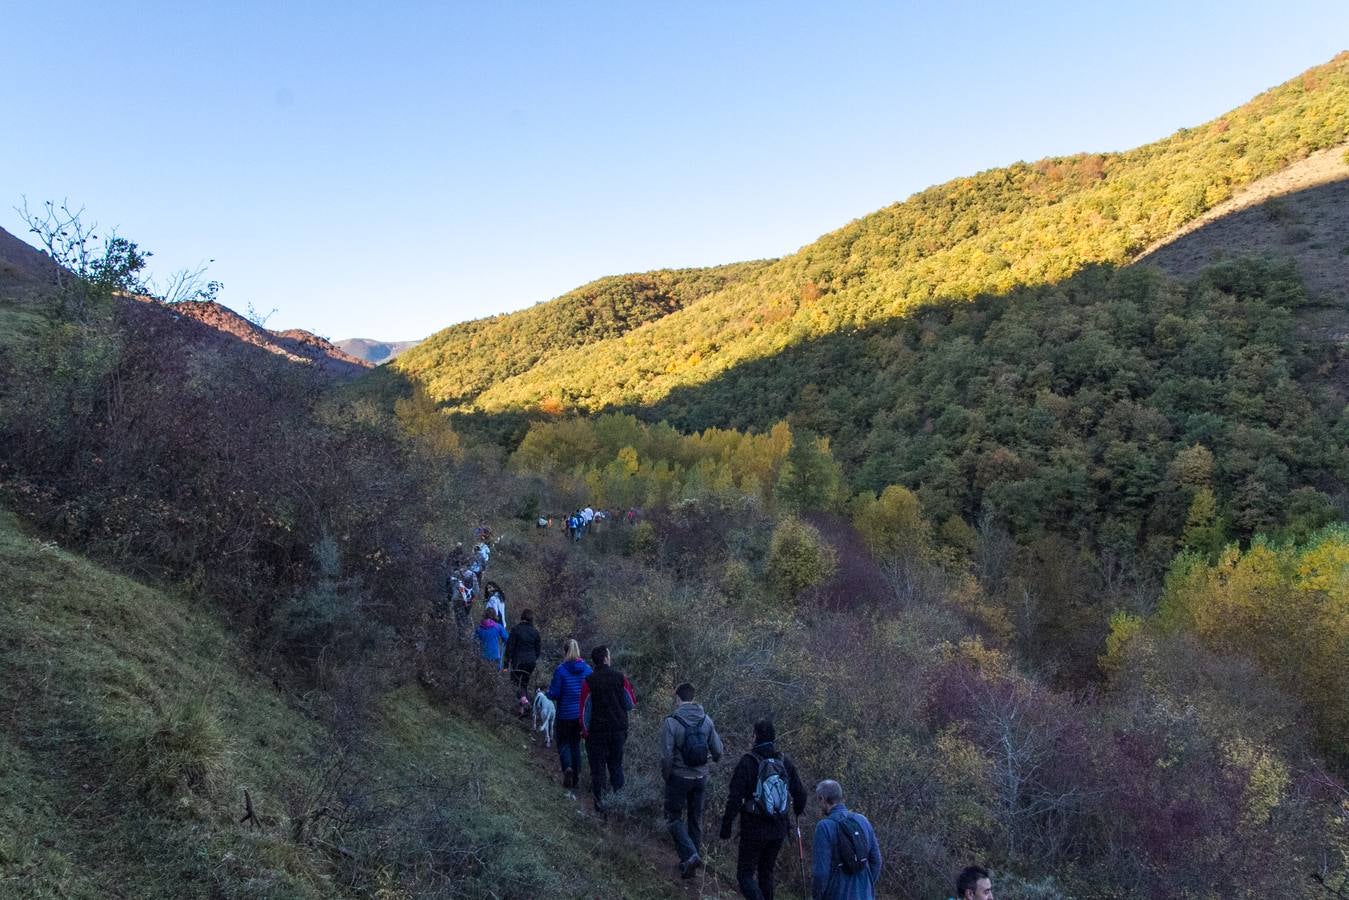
(520, 676)
(684, 796)
(606, 758)
(567, 733)
(754, 865)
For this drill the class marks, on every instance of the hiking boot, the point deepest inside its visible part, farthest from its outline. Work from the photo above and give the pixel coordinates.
(690, 866)
(568, 778)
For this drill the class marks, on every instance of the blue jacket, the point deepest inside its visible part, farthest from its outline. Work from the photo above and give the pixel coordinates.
(565, 690)
(827, 880)
(492, 635)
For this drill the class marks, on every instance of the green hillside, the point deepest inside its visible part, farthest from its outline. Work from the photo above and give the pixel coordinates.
(132, 722)
(1026, 224)
(460, 362)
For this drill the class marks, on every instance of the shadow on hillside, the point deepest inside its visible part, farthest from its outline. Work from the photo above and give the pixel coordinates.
(1308, 226)
(834, 384)
(823, 384)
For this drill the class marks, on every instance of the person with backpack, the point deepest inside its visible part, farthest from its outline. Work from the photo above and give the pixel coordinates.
(493, 636)
(689, 744)
(764, 791)
(523, 650)
(496, 600)
(565, 691)
(846, 860)
(462, 601)
(606, 698)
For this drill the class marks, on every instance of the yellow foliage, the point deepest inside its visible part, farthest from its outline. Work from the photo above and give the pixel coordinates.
(892, 525)
(1267, 779)
(798, 558)
(1286, 607)
(1123, 627)
(987, 660)
(420, 418)
(1325, 567)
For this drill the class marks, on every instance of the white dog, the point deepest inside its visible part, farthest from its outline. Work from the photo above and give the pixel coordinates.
(544, 713)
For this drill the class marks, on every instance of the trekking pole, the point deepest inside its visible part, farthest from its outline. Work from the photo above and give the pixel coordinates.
(801, 857)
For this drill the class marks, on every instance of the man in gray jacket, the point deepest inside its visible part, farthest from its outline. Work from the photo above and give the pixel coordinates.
(689, 744)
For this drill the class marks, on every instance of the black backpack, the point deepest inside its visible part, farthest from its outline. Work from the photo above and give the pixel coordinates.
(852, 847)
(693, 748)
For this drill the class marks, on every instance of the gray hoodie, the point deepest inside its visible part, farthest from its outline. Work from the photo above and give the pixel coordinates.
(685, 716)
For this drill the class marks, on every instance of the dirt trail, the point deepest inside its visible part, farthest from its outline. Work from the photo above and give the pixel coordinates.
(715, 881)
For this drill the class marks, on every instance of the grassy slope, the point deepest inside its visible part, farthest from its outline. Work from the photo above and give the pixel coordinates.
(93, 665)
(1025, 224)
(460, 362)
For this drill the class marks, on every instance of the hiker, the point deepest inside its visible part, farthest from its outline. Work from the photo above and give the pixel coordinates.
(443, 603)
(689, 744)
(523, 650)
(496, 600)
(565, 691)
(493, 636)
(461, 599)
(846, 859)
(765, 789)
(974, 883)
(606, 698)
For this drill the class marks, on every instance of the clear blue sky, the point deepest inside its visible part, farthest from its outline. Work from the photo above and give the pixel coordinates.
(385, 169)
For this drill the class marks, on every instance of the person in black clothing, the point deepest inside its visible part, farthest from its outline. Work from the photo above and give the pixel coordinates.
(761, 835)
(523, 649)
(606, 698)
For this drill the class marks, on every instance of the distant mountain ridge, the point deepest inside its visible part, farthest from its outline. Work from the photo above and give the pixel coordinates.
(294, 344)
(26, 277)
(372, 351)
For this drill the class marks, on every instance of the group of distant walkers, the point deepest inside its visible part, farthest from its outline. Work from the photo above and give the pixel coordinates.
(580, 522)
(591, 701)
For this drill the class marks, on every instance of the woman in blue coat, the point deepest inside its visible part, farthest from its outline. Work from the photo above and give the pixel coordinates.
(493, 636)
(565, 691)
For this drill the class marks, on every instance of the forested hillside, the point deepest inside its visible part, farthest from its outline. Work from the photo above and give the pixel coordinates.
(459, 363)
(1027, 224)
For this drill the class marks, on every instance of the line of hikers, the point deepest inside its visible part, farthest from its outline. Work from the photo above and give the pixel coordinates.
(591, 702)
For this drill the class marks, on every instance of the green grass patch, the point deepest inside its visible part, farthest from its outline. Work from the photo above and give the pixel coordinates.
(131, 722)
